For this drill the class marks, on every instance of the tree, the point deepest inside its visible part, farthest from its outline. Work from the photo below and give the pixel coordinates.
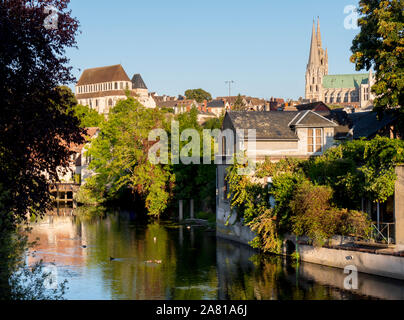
(239, 104)
(121, 161)
(88, 117)
(198, 94)
(380, 44)
(36, 125)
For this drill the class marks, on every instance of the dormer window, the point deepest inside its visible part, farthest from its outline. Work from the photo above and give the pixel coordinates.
(315, 140)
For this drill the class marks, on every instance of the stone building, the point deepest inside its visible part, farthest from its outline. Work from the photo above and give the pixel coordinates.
(279, 134)
(101, 88)
(339, 89)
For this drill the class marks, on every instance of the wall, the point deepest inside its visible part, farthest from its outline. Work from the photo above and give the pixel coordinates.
(399, 207)
(378, 264)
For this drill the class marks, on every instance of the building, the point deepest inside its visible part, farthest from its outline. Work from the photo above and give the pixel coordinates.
(178, 106)
(279, 134)
(218, 107)
(77, 171)
(250, 103)
(101, 88)
(340, 89)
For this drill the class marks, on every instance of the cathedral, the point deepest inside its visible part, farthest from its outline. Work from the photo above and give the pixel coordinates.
(101, 88)
(341, 89)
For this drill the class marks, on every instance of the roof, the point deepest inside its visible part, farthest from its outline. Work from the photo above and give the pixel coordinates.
(103, 94)
(137, 82)
(345, 80)
(311, 119)
(271, 125)
(277, 125)
(216, 104)
(103, 74)
(314, 106)
(90, 133)
(366, 124)
(175, 103)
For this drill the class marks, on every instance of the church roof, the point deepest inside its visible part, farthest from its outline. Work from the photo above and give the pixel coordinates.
(103, 74)
(137, 82)
(345, 81)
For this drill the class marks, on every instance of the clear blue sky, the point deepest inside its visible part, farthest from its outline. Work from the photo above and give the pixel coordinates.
(262, 45)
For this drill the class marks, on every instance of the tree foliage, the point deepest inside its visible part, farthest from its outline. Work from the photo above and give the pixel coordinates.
(318, 197)
(380, 44)
(316, 217)
(121, 161)
(88, 117)
(198, 94)
(239, 104)
(36, 126)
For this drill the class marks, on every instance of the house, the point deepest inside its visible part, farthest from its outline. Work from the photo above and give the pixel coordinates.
(279, 134)
(251, 103)
(314, 106)
(178, 106)
(367, 125)
(217, 107)
(77, 171)
(276, 104)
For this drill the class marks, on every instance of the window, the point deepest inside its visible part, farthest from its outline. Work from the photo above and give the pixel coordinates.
(121, 85)
(116, 85)
(224, 148)
(315, 140)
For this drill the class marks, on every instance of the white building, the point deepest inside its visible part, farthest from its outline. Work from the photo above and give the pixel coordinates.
(101, 88)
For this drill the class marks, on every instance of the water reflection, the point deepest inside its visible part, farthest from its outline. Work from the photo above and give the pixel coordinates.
(116, 257)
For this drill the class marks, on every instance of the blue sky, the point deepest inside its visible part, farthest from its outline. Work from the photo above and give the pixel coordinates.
(262, 45)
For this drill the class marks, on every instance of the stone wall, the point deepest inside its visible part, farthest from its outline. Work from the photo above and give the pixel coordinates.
(399, 207)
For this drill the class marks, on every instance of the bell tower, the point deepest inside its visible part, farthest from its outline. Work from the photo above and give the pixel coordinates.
(317, 66)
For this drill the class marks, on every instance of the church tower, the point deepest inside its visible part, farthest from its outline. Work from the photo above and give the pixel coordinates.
(317, 67)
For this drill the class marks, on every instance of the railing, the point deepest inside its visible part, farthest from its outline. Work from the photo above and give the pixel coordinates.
(383, 232)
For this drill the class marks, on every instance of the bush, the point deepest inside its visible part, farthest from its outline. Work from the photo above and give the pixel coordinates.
(315, 217)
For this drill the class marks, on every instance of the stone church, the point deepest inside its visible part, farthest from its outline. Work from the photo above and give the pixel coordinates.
(340, 89)
(101, 88)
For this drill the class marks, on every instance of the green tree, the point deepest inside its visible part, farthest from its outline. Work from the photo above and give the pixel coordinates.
(88, 117)
(380, 44)
(198, 94)
(239, 104)
(121, 161)
(36, 127)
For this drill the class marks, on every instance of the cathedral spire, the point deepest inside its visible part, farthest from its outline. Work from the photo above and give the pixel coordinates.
(313, 59)
(318, 33)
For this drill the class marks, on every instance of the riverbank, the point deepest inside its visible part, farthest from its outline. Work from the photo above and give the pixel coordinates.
(383, 262)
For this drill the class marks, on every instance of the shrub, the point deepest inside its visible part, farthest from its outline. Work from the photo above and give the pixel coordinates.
(315, 217)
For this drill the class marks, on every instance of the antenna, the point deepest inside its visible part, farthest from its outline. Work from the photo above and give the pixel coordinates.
(229, 82)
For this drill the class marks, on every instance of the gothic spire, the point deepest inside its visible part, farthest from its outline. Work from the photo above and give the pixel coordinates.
(313, 59)
(318, 33)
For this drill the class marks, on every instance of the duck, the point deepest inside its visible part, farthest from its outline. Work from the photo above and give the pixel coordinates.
(111, 259)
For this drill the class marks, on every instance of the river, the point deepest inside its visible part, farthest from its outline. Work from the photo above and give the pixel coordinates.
(117, 257)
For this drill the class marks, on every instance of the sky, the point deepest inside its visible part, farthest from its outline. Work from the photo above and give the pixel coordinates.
(262, 45)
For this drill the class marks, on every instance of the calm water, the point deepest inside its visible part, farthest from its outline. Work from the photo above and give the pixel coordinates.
(167, 261)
